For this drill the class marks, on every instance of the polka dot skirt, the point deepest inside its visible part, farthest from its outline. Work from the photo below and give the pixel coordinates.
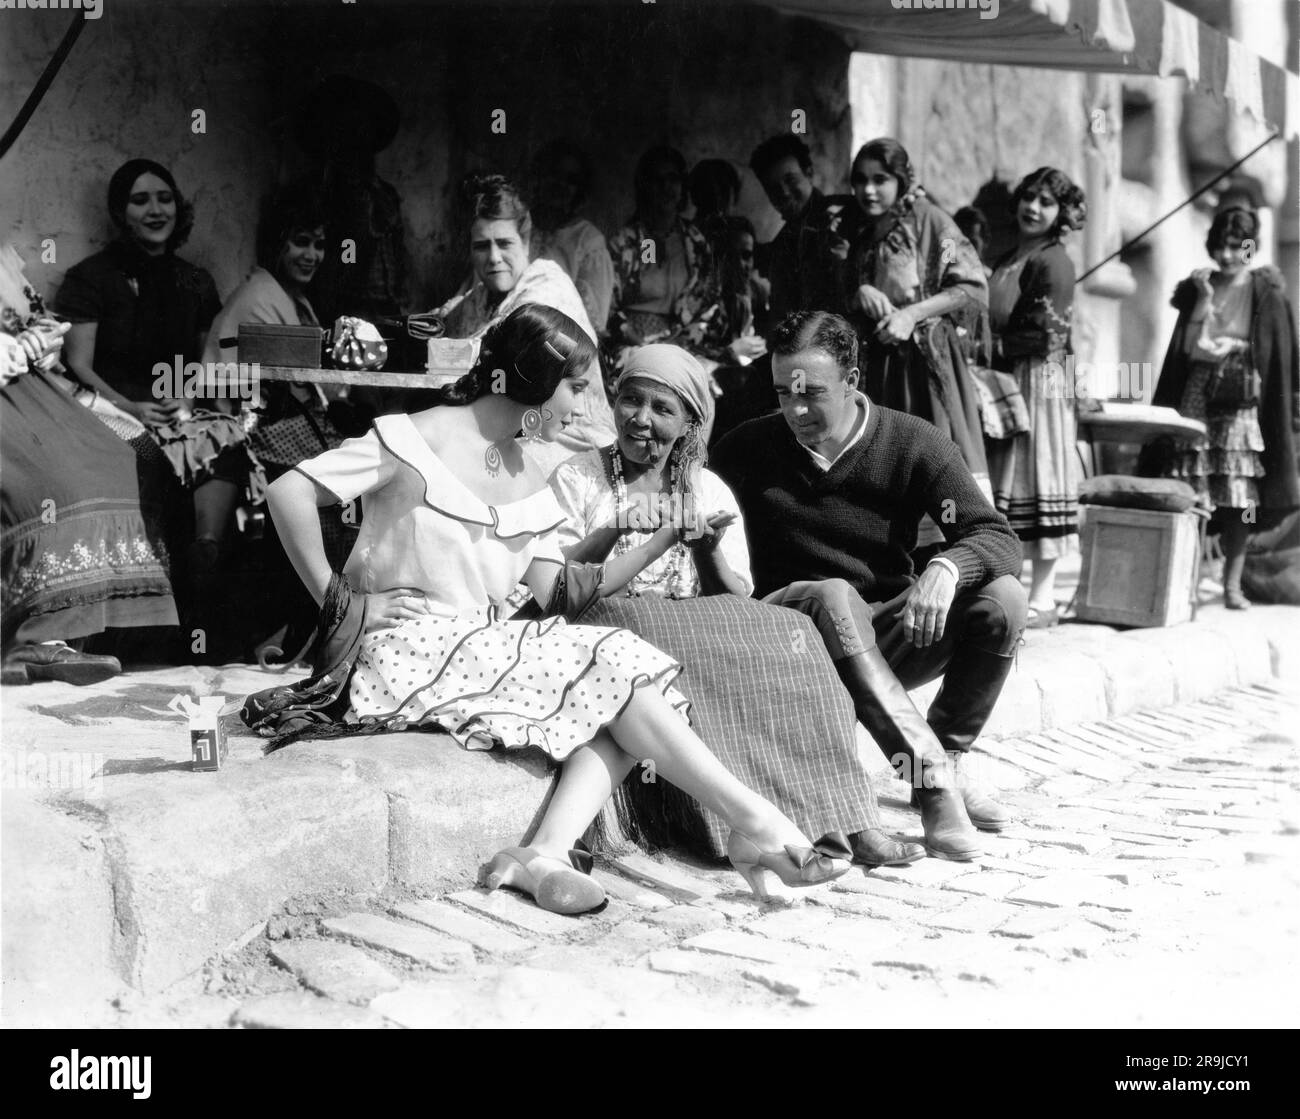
(492, 683)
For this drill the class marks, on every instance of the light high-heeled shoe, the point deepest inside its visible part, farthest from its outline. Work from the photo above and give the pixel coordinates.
(553, 885)
(824, 861)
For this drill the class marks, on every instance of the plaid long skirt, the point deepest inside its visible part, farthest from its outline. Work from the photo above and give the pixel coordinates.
(766, 700)
(1036, 475)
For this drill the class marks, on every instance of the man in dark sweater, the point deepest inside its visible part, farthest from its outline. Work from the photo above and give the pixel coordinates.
(832, 491)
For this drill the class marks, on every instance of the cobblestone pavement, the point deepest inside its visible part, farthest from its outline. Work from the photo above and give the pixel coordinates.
(1151, 881)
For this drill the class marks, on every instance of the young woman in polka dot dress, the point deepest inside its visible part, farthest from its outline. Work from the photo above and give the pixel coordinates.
(455, 517)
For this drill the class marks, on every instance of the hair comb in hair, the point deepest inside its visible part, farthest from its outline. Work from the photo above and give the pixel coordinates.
(568, 342)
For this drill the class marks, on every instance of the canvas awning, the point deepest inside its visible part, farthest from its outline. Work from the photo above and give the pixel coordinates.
(1112, 36)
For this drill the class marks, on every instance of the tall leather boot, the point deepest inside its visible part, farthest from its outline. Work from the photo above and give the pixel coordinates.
(886, 710)
(971, 687)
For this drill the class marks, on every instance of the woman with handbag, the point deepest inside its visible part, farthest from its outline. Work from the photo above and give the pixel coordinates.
(1031, 301)
(1232, 363)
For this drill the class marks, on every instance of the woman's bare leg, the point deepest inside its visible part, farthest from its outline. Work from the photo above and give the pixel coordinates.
(650, 730)
(587, 780)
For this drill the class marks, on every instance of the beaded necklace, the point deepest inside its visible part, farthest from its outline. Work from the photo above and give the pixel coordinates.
(679, 579)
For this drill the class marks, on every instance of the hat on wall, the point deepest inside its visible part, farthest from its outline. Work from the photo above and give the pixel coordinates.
(348, 108)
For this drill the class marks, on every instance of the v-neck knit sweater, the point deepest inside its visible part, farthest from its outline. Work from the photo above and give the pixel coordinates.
(858, 521)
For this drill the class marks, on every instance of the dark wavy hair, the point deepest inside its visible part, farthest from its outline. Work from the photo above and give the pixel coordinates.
(296, 207)
(820, 330)
(1235, 224)
(493, 197)
(714, 186)
(781, 147)
(1069, 197)
(119, 194)
(972, 222)
(660, 153)
(536, 347)
(892, 156)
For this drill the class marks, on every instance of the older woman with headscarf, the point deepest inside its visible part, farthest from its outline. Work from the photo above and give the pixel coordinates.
(638, 490)
(760, 683)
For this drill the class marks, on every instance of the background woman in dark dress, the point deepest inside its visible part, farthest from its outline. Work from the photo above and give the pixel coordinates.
(137, 304)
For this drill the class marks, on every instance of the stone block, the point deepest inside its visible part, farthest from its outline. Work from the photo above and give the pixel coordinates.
(451, 809)
(1070, 891)
(486, 936)
(64, 954)
(423, 946)
(987, 884)
(980, 915)
(196, 859)
(520, 912)
(334, 970)
(747, 946)
(1073, 687)
(1200, 664)
(928, 872)
(671, 879)
(686, 919)
(627, 892)
(676, 961)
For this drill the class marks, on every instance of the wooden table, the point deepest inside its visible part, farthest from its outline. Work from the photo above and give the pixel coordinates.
(371, 378)
(1132, 423)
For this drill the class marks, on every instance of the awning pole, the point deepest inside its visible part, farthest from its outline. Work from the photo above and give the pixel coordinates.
(43, 83)
(1186, 202)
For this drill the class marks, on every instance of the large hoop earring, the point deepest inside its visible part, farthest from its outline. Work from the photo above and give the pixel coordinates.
(532, 425)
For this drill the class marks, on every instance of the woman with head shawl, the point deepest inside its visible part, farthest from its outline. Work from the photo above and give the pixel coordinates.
(765, 690)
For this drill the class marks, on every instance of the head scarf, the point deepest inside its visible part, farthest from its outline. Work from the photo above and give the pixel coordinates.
(674, 368)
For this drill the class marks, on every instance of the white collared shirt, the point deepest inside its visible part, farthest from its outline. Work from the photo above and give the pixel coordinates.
(859, 430)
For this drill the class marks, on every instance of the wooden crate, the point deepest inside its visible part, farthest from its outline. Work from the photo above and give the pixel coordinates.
(1139, 566)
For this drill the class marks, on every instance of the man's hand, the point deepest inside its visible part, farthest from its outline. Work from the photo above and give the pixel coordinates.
(927, 607)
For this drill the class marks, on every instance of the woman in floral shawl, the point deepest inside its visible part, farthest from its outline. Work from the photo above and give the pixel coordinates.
(913, 278)
(665, 278)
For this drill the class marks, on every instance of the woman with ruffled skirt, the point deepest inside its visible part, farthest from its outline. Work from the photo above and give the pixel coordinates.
(1232, 363)
(456, 515)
